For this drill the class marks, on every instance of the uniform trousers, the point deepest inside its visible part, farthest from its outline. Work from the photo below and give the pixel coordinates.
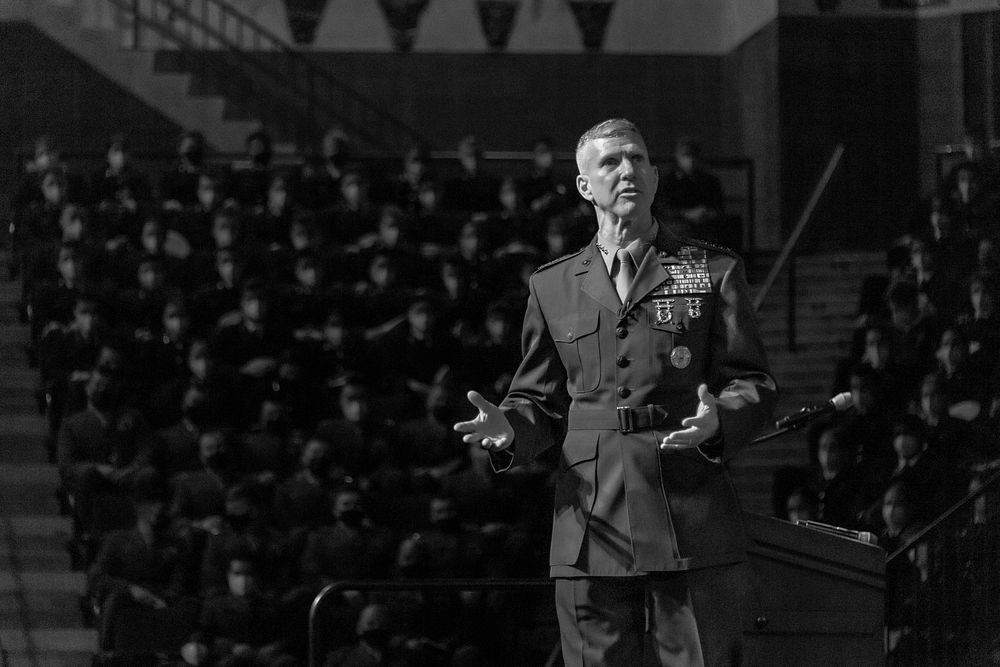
(692, 618)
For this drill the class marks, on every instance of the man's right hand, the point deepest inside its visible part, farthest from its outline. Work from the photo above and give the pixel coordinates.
(490, 428)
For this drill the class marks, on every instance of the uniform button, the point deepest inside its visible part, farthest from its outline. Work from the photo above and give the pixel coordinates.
(624, 392)
(621, 332)
(622, 361)
(586, 262)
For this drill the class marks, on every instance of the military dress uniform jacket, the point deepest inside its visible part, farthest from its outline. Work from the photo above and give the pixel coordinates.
(622, 506)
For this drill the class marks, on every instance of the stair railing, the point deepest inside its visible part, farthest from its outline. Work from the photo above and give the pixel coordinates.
(505, 632)
(317, 97)
(943, 585)
(787, 251)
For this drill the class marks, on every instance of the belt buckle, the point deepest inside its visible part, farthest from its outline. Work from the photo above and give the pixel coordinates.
(625, 421)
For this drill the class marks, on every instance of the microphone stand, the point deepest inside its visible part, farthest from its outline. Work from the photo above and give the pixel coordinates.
(776, 434)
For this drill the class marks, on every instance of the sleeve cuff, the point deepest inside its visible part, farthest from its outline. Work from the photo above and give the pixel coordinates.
(712, 448)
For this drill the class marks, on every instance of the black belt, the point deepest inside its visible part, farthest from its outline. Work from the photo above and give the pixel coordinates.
(623, 420)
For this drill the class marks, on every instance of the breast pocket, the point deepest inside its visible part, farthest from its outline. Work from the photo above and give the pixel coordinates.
(579, 348)
(679, 329)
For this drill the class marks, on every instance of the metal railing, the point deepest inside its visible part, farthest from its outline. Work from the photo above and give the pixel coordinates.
(514, 650)
(787, 255)
(943, 586)
(263, 72)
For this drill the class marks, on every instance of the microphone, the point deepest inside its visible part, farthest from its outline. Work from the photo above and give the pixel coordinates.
(838, 403)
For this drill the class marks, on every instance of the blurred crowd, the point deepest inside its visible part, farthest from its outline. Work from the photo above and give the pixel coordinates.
(924, 375)
(250, 372)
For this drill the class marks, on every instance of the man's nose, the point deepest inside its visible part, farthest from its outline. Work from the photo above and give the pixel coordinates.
(627, 168)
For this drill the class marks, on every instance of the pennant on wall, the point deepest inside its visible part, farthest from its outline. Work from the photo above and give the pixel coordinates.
(303, 17)
(592, 19)
(497, 18)
(403, 17)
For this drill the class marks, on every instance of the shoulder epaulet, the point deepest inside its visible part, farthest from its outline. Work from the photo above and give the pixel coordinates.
(711, 246)
(559, 260)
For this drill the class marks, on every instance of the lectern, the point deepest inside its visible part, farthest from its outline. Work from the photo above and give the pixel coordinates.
(820, 597)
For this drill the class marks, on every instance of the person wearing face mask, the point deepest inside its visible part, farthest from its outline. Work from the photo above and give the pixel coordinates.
(319, 180)
(981, 325)
(545, 192)
(350, 548)
(375, 646)
(264, 444)
(691, 195)
(248, 180)
(453, 549)
(302, 500)
(178, 186)
(138, 582)
(198, 504)
(67, 355)
(836, 480)
(472, 190)
(51, 302)
(427, 446)
(955, 440)
(360, 439)
(177, 444)
(219, 292)
(239, 625)
(270, 221)
(417, 348)
(117, 177)
(104, 449)
(252, 343)
(244, 529)
(404, 187)
(354, 214)
(194, 221)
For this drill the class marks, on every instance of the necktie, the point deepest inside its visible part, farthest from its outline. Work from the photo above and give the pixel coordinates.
(626, 273)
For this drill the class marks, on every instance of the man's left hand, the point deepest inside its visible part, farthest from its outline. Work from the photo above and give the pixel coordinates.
(702, 426)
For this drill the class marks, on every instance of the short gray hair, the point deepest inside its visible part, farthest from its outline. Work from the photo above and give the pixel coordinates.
(612, 127)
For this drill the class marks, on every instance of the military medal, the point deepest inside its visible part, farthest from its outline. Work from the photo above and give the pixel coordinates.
(664, 310)
(694, 307)
(680, 357)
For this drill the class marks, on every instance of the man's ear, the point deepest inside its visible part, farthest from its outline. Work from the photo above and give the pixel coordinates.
(583, 187)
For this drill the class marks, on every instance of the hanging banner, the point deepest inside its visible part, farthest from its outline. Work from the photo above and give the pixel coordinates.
(496, 17)
(403, 17)
(592, 19)
(303, 17)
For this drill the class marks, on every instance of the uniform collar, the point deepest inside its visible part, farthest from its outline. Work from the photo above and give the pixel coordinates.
(662, 250)
(637, 248)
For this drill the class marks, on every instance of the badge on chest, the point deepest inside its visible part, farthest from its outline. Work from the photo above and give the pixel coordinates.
(677, 310)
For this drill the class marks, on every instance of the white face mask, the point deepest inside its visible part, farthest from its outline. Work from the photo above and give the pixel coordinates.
(239, 584)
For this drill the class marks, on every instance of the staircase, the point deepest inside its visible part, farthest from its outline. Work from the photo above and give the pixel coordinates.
(828, 286)
(94, 38)
(207, 66)
(40, 620)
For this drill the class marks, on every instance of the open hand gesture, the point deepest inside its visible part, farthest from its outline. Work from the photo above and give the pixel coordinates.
(490, 428)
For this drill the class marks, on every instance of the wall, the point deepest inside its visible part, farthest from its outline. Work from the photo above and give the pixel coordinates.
(854, 81)
(538, 26)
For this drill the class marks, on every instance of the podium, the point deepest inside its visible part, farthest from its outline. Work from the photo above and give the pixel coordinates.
(820, 597)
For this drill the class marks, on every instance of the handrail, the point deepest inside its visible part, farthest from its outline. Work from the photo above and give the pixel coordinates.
(947, 514)
(800, 226)
(303, 79)
(507, 584)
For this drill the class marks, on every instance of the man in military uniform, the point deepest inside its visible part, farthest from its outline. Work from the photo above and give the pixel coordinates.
(642, 358)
